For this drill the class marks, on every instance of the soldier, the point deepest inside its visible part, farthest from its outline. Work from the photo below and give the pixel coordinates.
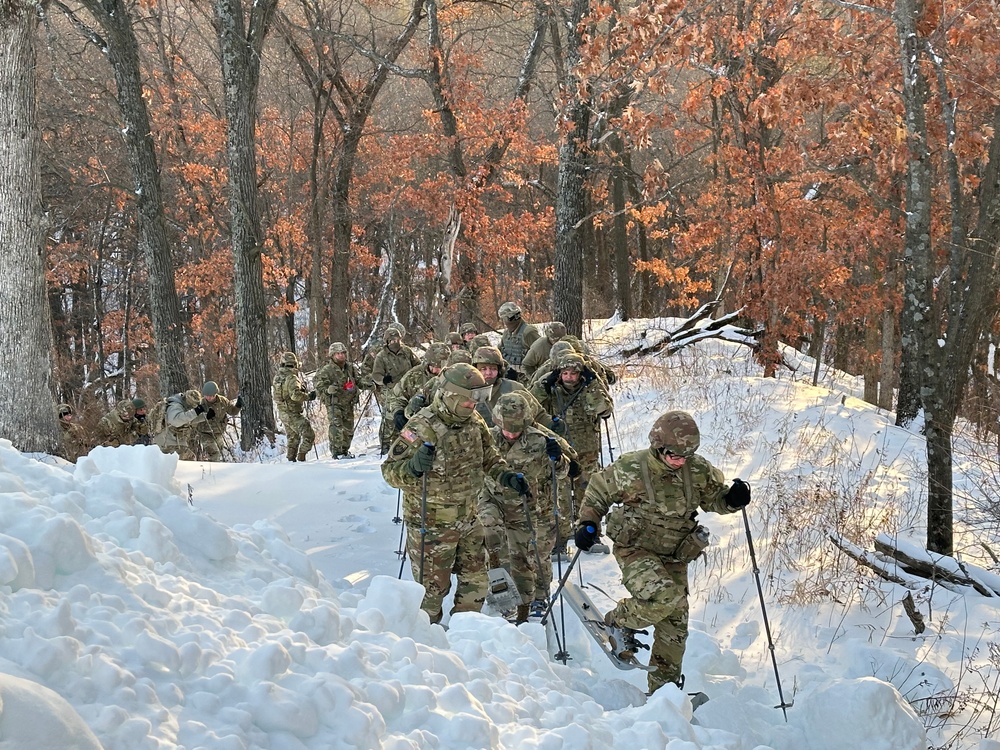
(459, 355)
(391, 363)
(469, 331)
(656, 534)
(439, 462)
(337, 383)
(290, 394)
(580, 399)
(183, 412)
(124, 425)
(207, 436)
(517, 339)
(413, 391)
(490, 362)
(536, 453)
(480, 339)
(558, 349)
(538, 354)
(456, 341)
(74, 438)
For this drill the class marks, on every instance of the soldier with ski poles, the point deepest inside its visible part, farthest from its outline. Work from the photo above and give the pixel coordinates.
(450, 445)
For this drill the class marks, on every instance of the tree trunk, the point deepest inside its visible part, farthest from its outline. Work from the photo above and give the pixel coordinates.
(240, 53)
(164, 308)
(571, 187)
(28, 417)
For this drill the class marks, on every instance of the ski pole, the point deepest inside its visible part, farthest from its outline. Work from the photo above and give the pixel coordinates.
(562, 583)
(399, 497)
(572, 511)
(423, 519)
(531, 531)
(561, 652)
(767, 626)
(402, 555)
(611, 448)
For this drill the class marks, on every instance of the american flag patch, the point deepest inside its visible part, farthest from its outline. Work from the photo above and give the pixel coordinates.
(408, 435)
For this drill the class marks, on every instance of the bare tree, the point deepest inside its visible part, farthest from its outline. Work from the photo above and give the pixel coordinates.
(28, 418)
(241, 40)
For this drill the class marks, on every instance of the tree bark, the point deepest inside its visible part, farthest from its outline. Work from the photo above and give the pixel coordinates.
(122, 50)
(28, 417)
(241, 44)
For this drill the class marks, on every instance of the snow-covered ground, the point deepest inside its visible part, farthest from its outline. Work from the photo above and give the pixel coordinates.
(151, 603)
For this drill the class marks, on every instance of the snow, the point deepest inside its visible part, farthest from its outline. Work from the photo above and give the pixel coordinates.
(267, 612)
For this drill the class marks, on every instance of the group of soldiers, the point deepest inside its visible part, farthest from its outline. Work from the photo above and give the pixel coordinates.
(497, 461)
(191, 424)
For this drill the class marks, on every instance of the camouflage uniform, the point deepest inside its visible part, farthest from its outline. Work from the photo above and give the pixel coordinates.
(469, 332)
(337, 384)
(290, 394)
(499, 386)
(508, 529)
(463, 455)
(207, 436)
(518, 336)
(184, 411)
(654, 534)
(415, 389)
(120, 426)
(538, 354)
(581, 407)
(388, 368)
(74, 438)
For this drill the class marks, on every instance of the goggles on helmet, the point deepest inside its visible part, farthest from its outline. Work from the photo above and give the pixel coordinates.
(480, 395)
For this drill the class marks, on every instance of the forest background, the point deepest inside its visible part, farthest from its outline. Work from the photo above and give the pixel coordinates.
(225, 181)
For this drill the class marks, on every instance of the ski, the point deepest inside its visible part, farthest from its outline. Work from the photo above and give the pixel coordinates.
(593, 621)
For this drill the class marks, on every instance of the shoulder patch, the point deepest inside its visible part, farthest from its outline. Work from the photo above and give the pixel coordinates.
(409, 435)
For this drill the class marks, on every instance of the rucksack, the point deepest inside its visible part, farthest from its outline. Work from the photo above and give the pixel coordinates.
(157, 418)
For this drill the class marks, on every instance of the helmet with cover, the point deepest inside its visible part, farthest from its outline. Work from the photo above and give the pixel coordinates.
(555, 330)
(337, 347)
(193, 397)
(437, 354)
(455, 339)
(392, 335)
(288, 359)
(559, 349)
(511, 413)
(64, 410)
(675, 432)
(488, 355)
(125, 409)
(461, 383)
(468, 328)
(509, 311)
(456, 356)
(571, 361)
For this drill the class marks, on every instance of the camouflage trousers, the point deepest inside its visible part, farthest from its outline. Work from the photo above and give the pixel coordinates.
(300, 433)
(571, 496)
(341, 430)
(206, 446)
(513, 543)
(447, 548)
(387, 427)
(659, 598)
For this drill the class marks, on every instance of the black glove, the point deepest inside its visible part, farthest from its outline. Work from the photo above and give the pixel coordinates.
(399, 419)
(586, 536)
(515, 481)
(387, 379)
(144, 439)
(422, 461)
(550, 380)
(312, 395)
(210, 413)
(417, 403)
(199, 409)
(238, 403)
(552, 449)
(587, 377)
(611, 377)
(512, 374)
(738, 496)
(575, 470)
(558, 426)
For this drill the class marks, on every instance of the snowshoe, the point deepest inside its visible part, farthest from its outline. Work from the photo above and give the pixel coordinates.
(598, 549)
(502, 594)
(618, 644)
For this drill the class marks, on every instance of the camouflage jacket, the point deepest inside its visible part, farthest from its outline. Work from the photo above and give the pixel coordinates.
(581, 408)
(289, 391)
(655, 514)
(338, 385)
(180, 418)
(222, 409)
(417, 380)
(527, 456)
(396, 364)
(464, 456)
(114, 430)
(514, 344)
(74, 440)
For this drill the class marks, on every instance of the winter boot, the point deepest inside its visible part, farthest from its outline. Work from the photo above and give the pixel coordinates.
(538, 607)
(302, 457)
(559, 552)
(290, 457)
(623, 640)
(522, 614)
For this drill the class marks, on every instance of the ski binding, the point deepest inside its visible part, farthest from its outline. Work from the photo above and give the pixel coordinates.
(593, 621)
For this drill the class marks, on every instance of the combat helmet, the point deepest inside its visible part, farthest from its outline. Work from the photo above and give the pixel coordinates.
(126, 409)
(509, 311)
(555, 330)
(468, 328)
(337, 347)
(488, 355)
(460, 383)
(193, 397)
(455, 339)
(675, 432)
(571, 361)
(64, 410)
(288, 359)
(511, 413)
(457, 356)
(437, 354)
(559, 349)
